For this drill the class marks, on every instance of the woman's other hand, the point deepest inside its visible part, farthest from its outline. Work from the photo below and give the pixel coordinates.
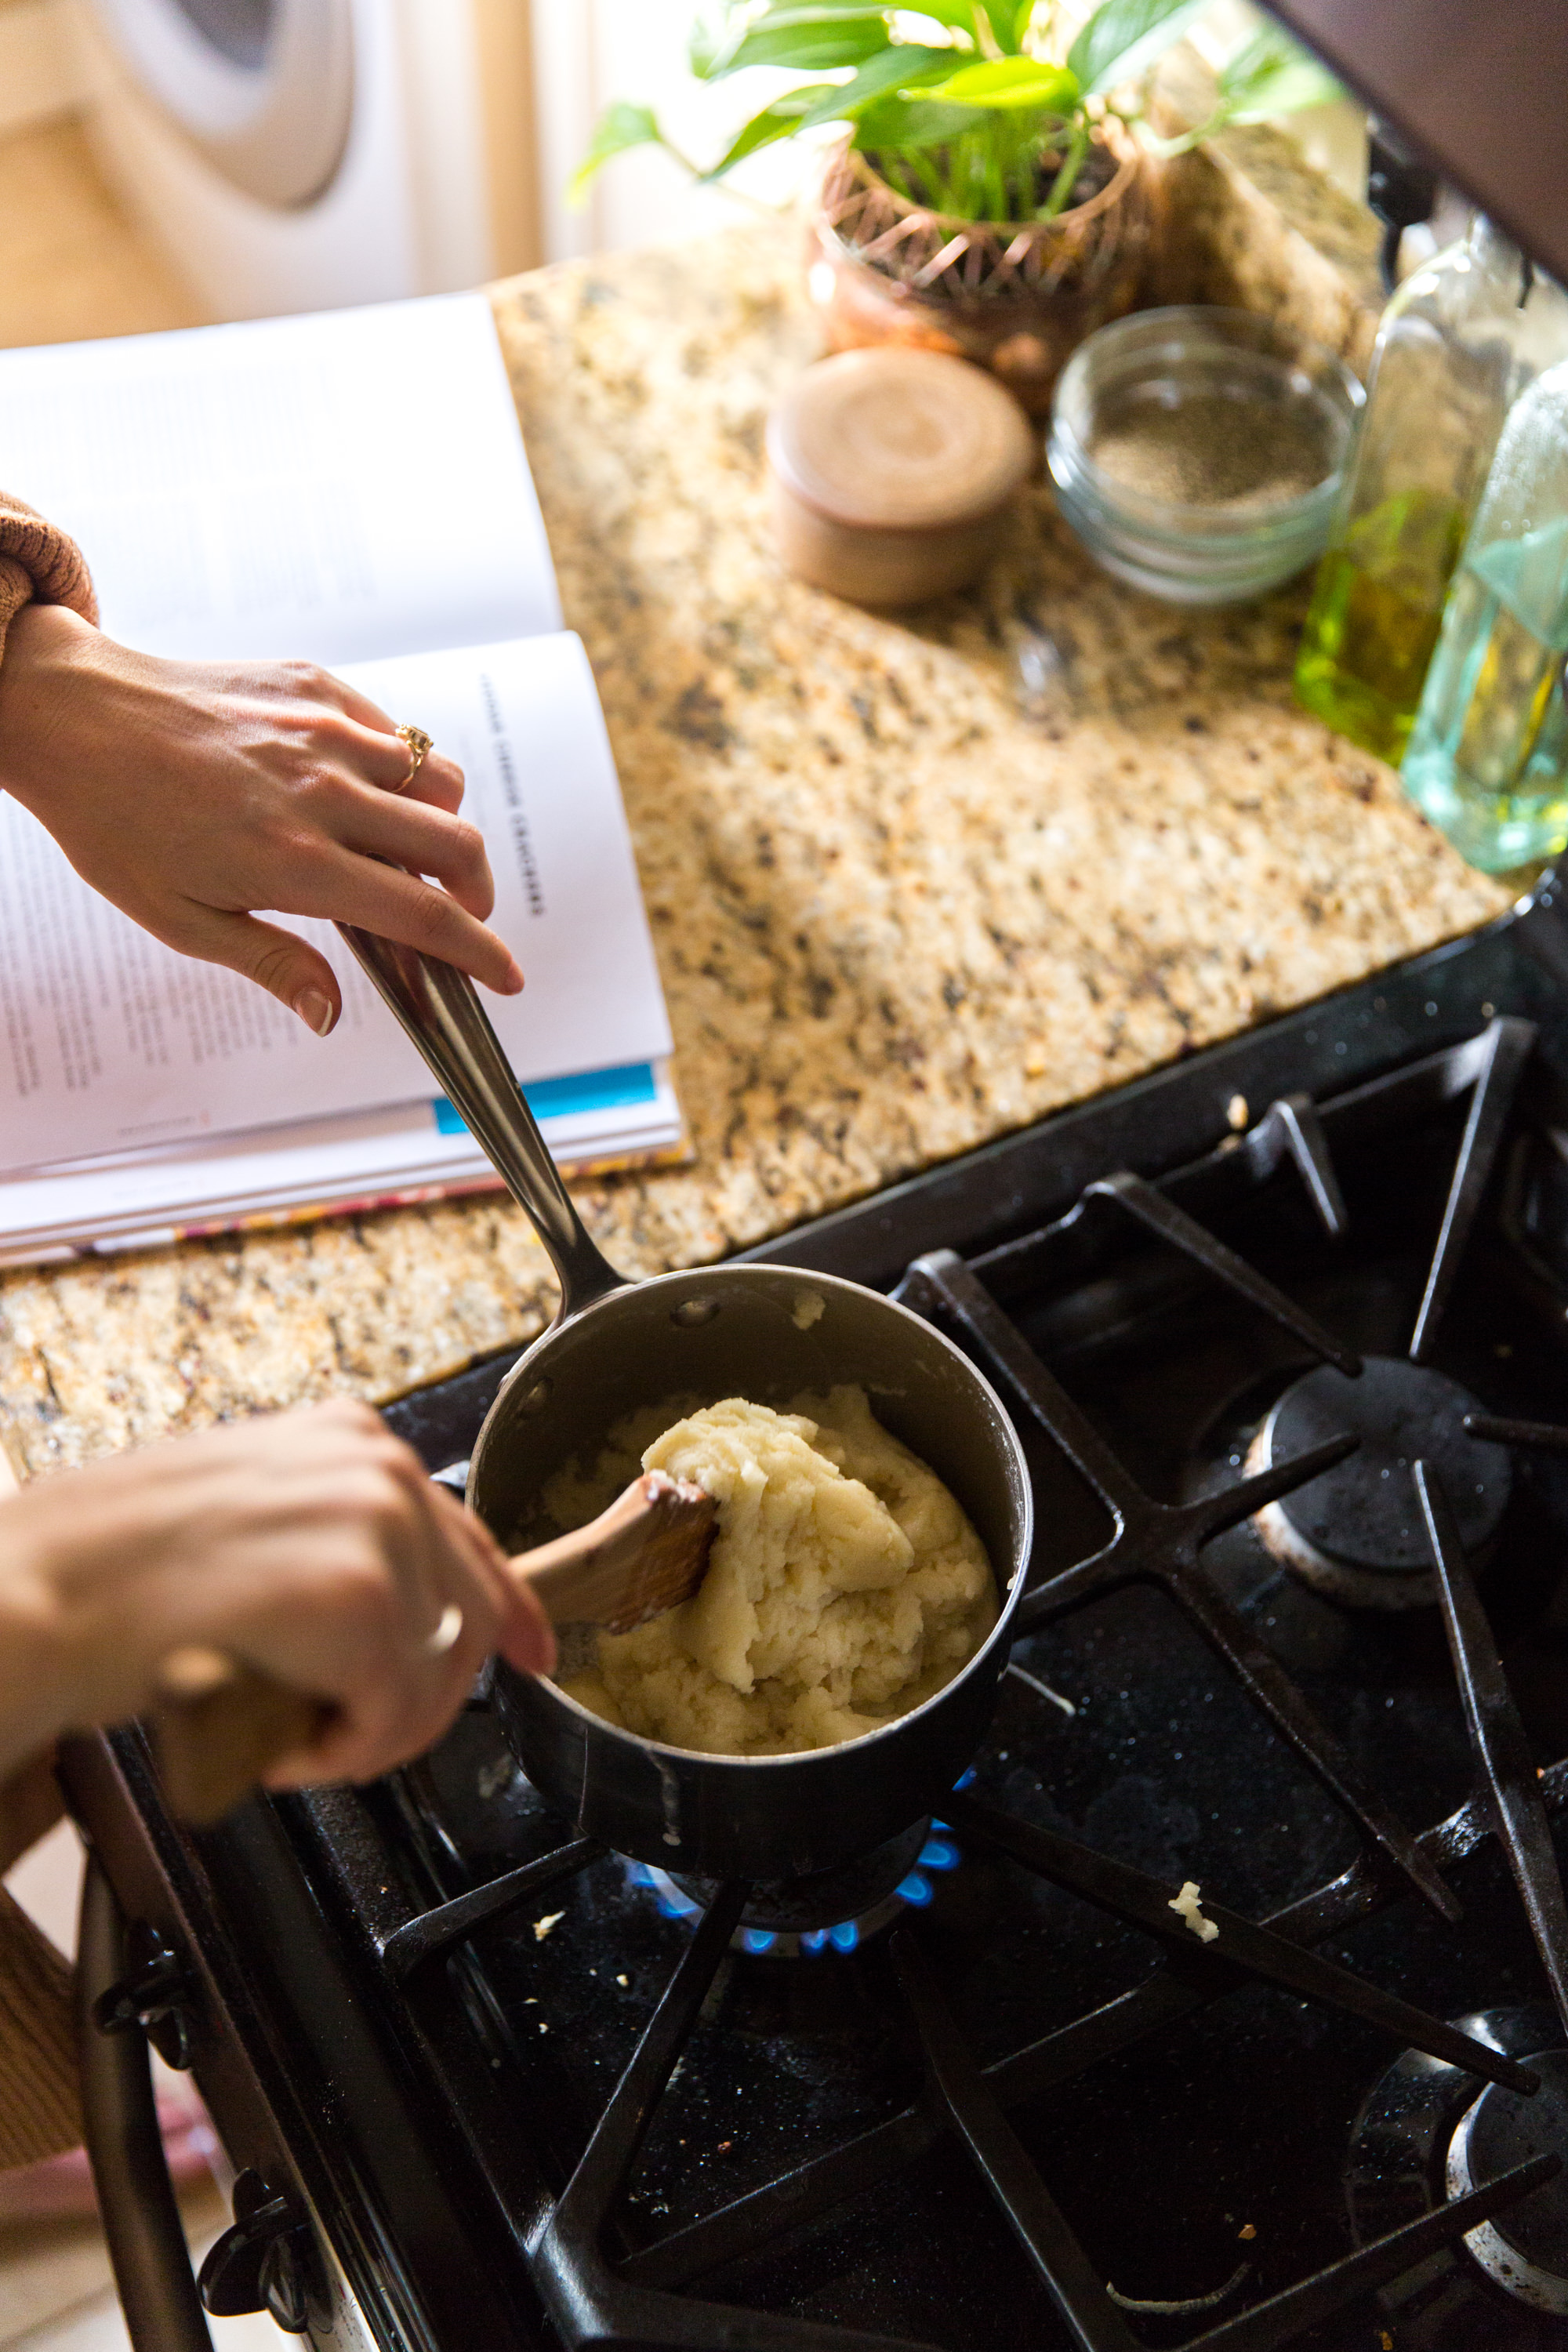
(310, 1545)
(194, 793)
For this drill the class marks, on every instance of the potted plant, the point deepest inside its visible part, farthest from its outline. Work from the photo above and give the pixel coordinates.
(991, 193)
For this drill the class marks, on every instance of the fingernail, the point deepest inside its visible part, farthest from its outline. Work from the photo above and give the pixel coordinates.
(315, 1010)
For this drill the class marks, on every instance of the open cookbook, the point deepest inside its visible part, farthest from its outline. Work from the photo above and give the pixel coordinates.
(351, 487)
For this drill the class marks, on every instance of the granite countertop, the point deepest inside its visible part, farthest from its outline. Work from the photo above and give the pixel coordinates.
(912, 882)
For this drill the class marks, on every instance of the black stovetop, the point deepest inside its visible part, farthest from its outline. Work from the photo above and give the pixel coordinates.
(959, 2127)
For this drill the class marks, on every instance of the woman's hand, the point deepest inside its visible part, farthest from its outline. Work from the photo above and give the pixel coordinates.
(310, 1545)
(192, 793)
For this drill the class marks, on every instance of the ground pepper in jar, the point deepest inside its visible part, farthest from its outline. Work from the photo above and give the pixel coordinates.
(1212, 450)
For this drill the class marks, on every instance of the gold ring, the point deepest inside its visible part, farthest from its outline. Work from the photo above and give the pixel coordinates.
(420, 747)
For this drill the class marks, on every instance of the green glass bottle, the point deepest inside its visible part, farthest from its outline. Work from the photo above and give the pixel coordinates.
(1459, 342)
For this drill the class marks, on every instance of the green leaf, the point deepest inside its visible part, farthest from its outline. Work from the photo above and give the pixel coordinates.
(812, 14)
(705, 44)
(909, 126)
(956, 14)
(1272, 75)
(1123, 37)
(1065, 180)
(1002, 16)
(810, 40)
(906, 67)
(619, 128)
(782, 119)
(1012, 81)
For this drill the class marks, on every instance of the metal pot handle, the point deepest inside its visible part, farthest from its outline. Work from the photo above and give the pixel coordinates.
(439, 1008)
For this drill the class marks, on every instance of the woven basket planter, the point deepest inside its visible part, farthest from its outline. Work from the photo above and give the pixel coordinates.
(1015, 299)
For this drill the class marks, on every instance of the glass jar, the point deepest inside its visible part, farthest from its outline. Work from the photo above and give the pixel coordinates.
(1459, 342)
(1197, 451)
(1487, 760)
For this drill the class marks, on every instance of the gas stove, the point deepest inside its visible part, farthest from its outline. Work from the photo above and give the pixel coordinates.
(1224, 2002)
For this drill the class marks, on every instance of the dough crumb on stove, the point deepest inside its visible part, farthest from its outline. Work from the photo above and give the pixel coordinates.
(846, 1586)
(1186, 1903)
(541, 1926)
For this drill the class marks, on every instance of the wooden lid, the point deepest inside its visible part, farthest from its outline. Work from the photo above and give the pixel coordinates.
(894, 439)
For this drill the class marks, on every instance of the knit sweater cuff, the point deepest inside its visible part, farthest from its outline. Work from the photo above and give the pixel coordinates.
(40, 2112)
(38, 565)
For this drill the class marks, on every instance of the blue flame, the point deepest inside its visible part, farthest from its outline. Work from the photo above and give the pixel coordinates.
(941, 1852)
(672, 1903)
(966, 1780)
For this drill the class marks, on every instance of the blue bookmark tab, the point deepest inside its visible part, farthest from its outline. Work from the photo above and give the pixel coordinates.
(629, 1082)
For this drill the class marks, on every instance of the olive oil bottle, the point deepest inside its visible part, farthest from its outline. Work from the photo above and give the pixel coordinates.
(1457, 343)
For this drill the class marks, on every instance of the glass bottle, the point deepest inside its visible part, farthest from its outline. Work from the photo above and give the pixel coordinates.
(1457, 343)
(1487, 760)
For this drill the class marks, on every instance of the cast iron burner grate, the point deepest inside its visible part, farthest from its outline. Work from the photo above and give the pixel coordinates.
(601, 2290)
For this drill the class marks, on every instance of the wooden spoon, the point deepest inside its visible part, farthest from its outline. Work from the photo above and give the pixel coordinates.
(219, 1723)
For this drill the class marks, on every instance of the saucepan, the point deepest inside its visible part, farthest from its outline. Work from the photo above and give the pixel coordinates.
(767, 1333)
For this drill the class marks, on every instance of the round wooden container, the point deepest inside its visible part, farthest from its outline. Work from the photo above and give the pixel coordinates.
(889, 470)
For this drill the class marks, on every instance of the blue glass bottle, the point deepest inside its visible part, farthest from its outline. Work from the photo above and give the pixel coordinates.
(1487, 760)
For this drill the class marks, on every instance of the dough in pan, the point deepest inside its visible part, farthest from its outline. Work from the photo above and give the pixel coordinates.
(845, 1585)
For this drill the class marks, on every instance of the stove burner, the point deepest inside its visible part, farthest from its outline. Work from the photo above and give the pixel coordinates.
(1422, 2136)
(1356, 1533)
(1525, 2250)
(832, 1911)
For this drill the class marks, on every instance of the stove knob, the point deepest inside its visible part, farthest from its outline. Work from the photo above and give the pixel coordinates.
(265, 2261)
(154, 1993)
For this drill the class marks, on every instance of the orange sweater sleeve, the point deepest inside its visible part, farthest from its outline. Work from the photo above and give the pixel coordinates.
(38, 565)
(40, 2113)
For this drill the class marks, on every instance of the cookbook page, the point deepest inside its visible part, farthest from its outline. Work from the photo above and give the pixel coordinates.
(372, 1159)
(339, 487)
(110, 1042)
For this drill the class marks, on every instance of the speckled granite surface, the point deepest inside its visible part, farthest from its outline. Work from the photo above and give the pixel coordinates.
(1248, 224)
(912, 882)
(1249, 221)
